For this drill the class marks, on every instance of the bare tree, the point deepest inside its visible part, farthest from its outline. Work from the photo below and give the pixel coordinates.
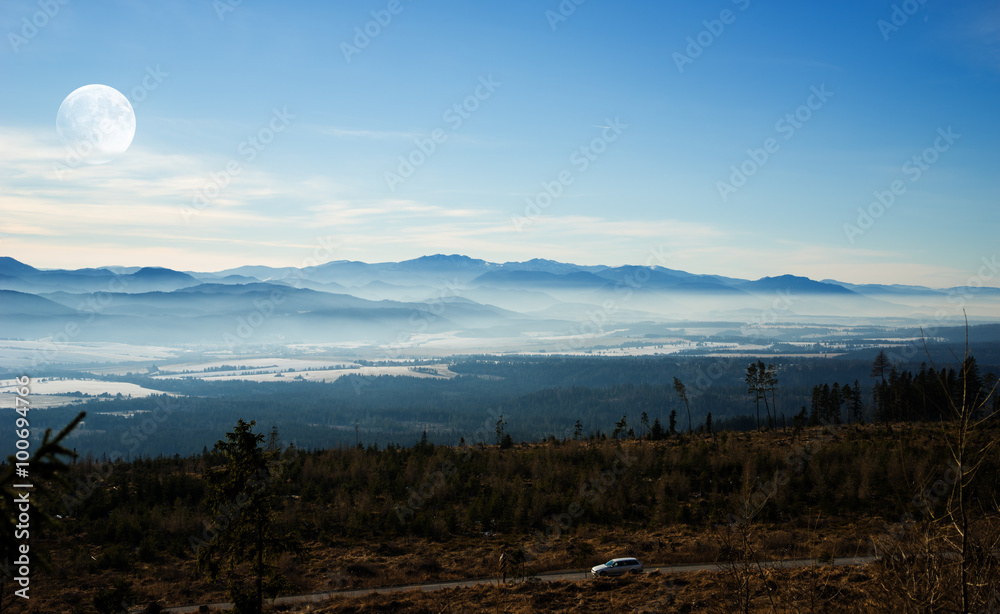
(771, 385)
(760, 380)
(682, 393)
(879, 368)
(746, 576)
(967, 453)
(945, 558)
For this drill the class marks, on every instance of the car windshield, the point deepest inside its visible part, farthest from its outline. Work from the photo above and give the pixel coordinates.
(609, 564)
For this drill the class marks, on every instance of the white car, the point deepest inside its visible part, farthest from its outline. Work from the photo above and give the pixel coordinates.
(617, 567)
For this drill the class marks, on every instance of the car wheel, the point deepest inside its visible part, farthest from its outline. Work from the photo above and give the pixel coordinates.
(602, 574)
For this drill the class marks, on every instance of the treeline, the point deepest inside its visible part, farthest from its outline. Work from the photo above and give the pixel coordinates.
(930, 394)
(538, 397)
(835, 404)
(121, 513)
(900, 395)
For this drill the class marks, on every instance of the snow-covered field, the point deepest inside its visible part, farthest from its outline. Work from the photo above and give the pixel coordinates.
(45, 392)
(319, 375)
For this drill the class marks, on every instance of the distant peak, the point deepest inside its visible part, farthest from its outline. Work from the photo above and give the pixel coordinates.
(452, 260)
(446, 258)
(15, 266)
(157, 270)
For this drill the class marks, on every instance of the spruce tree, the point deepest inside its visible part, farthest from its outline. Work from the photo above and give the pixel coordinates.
(241, 499)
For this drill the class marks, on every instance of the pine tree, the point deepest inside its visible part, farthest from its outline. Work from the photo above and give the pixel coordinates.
(879, 368)
(753, 387)
(834, 402)
(816, 406)
(857, 407)
(847, 394)
(656, 432)
(499, 430)
(48, 466)
(620, 427)
(971, 388)
(771, 385)
(799, 421)
(241, 492)
(761, 379)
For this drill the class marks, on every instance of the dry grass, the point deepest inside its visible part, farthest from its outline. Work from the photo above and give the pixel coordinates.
(341, 563)
(351, 565)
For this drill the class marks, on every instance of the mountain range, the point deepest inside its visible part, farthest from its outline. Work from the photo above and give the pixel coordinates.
(383, 303)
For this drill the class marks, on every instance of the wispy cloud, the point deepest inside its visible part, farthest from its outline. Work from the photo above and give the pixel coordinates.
(355, 133)
(140, 199)
(789, 61)
(973, 32)
(94, 215)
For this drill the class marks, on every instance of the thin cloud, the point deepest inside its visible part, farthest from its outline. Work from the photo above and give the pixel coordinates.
(355, 133)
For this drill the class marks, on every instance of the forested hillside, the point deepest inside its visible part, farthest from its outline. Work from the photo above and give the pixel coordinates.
(370, 516)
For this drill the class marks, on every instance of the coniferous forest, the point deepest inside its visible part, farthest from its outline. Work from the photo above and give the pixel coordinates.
(872, 471)
(538, 397)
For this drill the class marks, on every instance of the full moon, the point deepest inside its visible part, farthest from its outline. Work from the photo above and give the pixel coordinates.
(96, 122)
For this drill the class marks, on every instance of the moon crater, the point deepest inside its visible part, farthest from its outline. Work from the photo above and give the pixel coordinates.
(96, 122)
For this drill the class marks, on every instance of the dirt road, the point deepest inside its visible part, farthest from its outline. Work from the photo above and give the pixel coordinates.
(544, 577)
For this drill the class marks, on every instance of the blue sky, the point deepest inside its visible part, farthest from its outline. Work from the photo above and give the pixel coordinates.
(606, 104)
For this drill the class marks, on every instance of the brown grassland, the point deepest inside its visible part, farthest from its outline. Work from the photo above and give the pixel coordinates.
(735, 500)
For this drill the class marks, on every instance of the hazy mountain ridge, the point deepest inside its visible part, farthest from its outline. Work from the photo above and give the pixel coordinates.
(431, 298)
(464, 269)
(14, 303)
